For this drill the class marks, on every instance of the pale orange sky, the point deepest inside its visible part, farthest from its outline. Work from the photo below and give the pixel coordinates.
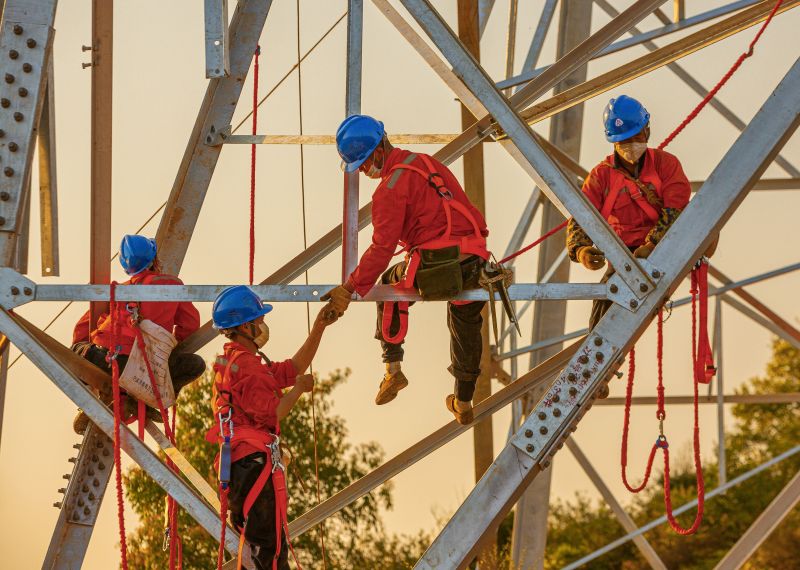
(159, 84)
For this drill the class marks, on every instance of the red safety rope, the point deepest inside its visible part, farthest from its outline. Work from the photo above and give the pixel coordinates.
(112, 356)
(724, 79)
(253, 166)
(223, 513)
(554, 231)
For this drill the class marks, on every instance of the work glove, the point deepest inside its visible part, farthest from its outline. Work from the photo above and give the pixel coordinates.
(591, 257)
(327, 315)
(339, 297)
(643, 251)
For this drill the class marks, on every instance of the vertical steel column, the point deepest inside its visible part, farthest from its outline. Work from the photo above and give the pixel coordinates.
(469, 34)
(218, 61)
(718, 360)
(48, 187)
(5, 347)
(530, 517)
(511, 39)
(100, 203)
(355, 26)
(678, 10)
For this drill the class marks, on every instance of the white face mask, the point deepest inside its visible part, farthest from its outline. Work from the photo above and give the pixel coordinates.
(631, 152)
(263, 335)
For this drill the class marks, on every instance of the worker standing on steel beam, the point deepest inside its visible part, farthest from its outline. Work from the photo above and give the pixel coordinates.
(420, 207)
(640, 192)
(249, 402)
(138, 257)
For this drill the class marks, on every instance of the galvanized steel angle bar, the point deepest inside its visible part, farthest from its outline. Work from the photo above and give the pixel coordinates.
(218, 61)
(560, 189)
(691, 234)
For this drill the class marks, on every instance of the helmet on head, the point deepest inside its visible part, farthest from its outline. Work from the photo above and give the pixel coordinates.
(136, 253)
(356, 139)
(237, 305)
(623, 118)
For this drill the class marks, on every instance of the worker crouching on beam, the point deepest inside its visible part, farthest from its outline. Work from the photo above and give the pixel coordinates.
(249, 402)
(640, 191)
(177, 320)
(420, 207)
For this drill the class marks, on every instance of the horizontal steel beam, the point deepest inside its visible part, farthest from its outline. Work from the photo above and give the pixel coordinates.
(395, 139)
(765, 184)
(781, 398)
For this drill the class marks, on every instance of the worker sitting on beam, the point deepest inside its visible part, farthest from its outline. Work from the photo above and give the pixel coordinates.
(138, 257)
(640, 192)
(249, 402)
(420, 207)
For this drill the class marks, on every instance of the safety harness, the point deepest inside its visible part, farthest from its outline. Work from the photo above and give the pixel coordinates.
(641, 194)
(472, 244)
(225, 434)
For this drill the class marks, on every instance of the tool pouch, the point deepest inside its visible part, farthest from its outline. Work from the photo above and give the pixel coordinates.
(439, 275)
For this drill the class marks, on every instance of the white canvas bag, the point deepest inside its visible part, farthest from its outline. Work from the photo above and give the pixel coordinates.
(135, 380)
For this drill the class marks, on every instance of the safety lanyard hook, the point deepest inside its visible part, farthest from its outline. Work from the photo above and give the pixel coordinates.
(275, 455)
(133, 309)
(226, 419)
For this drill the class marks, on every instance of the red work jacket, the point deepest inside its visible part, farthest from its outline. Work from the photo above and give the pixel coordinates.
(179, 318)
(256, 390)
(407, 212)
(661, 171)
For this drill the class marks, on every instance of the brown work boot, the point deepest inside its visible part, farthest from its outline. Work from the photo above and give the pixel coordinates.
(80, 423)
(393, 381)
(463, 415)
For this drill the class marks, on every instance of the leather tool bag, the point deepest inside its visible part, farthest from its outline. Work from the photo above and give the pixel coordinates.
(439, 274)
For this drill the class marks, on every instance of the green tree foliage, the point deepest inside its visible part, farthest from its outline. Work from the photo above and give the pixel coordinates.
(760, 432)
(356, 538)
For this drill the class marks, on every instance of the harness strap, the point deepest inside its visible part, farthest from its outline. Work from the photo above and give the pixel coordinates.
(641, 197)
(386, 321)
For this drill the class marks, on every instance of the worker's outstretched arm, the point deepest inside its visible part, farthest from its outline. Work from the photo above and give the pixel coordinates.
(304, 383)
(302, 359)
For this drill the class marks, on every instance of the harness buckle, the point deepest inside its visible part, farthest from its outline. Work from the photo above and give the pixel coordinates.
(133, 309)
(446, 194)
(275, 455)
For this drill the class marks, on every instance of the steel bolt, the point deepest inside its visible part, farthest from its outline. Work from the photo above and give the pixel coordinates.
(543, 430)
(18, 29)
(587, 374)
(101, 466)
(66, 476)
(545, 464)
(74, 445)
(656, 274)
(8, 171)
(91, 496)
(557, 413)
(87, 511)
(9, 78)
(85, 488)
(18, 116)
(81, 502)
(95, 483)
(5, 103)
(598, 341)
(31, 43)
(62, 490)
(583, 359)
(542, 416)
(627, 267)
(573, 391)
(27, 67)
(599, 356)
(94, 457)
(13, 54)
(529, 448)
(634, 303)
(57, 505)
(72, 459)
(28, 291)
(15, 290)
(22, 92)
(613, 288)
(571, 377)
(528, 433)
(560, 444)
(555, 398)
(13, 147)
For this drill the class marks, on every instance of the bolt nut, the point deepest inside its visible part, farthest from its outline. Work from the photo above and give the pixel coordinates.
(643, 287)
(13, 54)
(27, 67)
(81, 502)
(583, 359)
(556, 413)
(573, 391)
(91, 496)
(545, 464)
(587, 374)
(543, 430)
(85, 488)
(101, 466)
(5, 103)
(15, 290)
(95, 483)
(555, 398)
(87, 511)
(72, 459)
(8, 171)
(528, 433)
(9, 78)
(18, 29)
(613, 288)
(571, 377)
(627, 267)
(31, 43)
(18, 116)
(62, 490)
(599, 356)
(634, 303)
(94, 457)
(74, 445)
(57, 505)
(66, 476)
(13, 147)
(22, 92)
(598, 341)
(529, 448)
(656, 274)
(542, 416)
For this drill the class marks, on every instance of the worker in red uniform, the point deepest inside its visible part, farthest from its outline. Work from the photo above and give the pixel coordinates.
(420, 207)
(139, 260)
(249, 403)
(640, 191)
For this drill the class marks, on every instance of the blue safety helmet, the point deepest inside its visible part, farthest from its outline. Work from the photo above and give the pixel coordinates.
(623, 118)
(237, 305)
(136, 253)
(356, 139)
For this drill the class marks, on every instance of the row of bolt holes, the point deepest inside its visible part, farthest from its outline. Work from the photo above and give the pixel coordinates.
(573, 391)
(5, 103)
(85, 488)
